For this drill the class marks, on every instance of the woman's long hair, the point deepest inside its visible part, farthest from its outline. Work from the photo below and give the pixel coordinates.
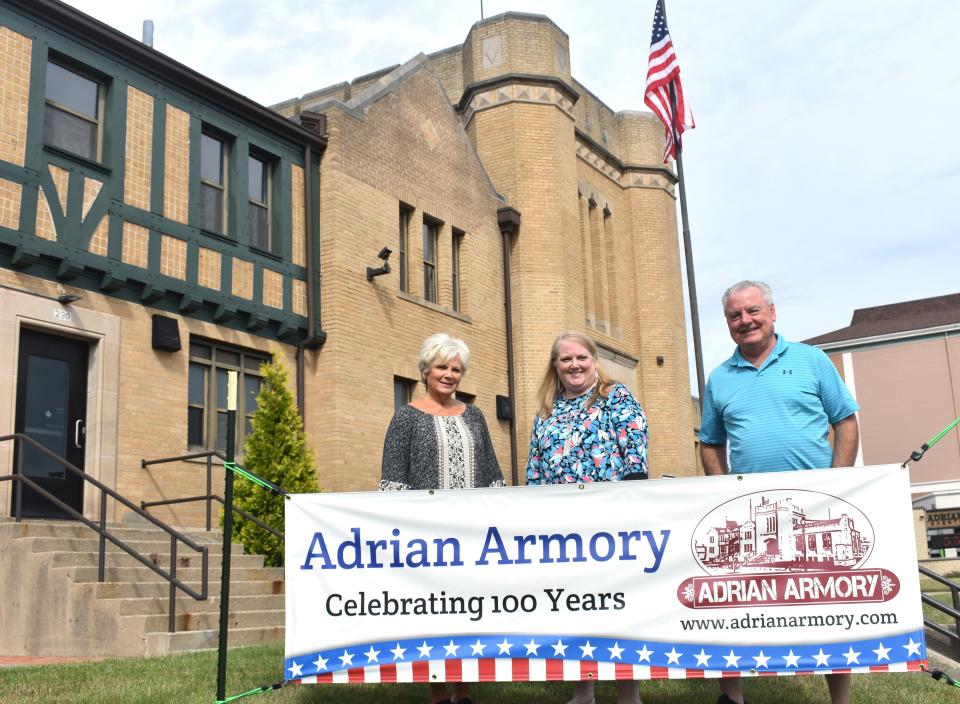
(550, 387)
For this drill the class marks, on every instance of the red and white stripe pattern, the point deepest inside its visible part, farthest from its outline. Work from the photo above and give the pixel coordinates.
(544, 670)
(662, 72)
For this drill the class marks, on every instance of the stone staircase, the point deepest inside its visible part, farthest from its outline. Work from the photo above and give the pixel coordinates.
(53, 604)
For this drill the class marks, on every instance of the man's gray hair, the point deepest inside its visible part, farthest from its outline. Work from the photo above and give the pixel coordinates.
(442, 348)
(742, 285)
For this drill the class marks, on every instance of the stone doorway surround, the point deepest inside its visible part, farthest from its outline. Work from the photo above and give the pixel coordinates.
(19, 309)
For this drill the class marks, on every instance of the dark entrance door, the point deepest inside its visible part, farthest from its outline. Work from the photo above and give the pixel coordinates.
(51, 409)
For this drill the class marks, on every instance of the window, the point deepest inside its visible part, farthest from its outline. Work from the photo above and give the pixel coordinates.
(455, 269)
(258, 214)
(213, 185)
(430, 235)
(207, 393)
(404, 245)
(402, 391)
(465, 398)
(72, 117)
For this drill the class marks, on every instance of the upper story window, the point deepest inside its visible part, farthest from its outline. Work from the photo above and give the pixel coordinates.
(431, 232)
(402, 391)
(213, 183)
(404, 245)
(258, 213)
(455, 269)
(207, 393)
(72, 119)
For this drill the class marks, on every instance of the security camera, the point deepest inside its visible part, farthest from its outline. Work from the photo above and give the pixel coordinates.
(384, 254)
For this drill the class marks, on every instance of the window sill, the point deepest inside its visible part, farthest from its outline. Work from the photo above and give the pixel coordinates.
(434, 307)
(218, 236)
(266, 253)
(76, 158)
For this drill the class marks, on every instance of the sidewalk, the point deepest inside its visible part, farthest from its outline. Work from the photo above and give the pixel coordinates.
(32, 660)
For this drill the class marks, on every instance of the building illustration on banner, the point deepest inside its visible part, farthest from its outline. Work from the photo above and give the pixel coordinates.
(776, 532)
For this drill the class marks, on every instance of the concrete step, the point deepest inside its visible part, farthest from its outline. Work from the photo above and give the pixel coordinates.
(146, 606)
(123, 590)
(122, 559)
(146, 547)
(188, 574)
(38, 529)
(209, 620)
(162, 643)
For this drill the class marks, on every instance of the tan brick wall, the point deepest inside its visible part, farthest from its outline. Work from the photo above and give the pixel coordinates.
(10, 194)
(44, 224)
(298, 216)
(176, 164)
(208, 268)
(100, 239)
(91, 189)
(511, 44)
(408, 148)
(14, 92)
(299, 297)
(136, 179)
(173, 257)
(242, 279)
(61, 181)
(136, 242)
(272, 288)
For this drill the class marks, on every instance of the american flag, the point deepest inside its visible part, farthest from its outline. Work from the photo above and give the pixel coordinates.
(662, 72)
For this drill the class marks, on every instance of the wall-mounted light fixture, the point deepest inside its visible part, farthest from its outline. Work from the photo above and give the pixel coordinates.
(659, 360)
(383, 254)
(66, 299)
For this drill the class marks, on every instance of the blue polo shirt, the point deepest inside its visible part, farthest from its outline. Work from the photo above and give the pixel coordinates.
(775, 418)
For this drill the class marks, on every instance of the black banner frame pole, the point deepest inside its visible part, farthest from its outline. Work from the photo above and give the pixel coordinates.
(227, 536)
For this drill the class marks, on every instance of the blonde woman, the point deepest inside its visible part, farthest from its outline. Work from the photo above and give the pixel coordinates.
(588, 429)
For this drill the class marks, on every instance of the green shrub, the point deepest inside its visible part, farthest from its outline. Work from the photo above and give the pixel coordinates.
(276, 450)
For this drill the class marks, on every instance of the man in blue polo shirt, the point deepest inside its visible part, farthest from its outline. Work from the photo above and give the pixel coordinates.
(774, 402)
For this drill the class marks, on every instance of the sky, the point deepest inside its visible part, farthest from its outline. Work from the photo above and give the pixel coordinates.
(824, 160)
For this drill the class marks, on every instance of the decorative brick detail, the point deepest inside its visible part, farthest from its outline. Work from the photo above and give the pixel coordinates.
(208, 268)
(10, 194)
(299, 297)
(176, 165)
(101, 237)
(14, 93)
(91, 189)
(298, 216)
(242, 279)
(136, 181)
(173, 257)
(136, 241)
(272, 288)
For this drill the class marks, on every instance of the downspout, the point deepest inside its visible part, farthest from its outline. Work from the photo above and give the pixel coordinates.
(315, 122)
(509, 221)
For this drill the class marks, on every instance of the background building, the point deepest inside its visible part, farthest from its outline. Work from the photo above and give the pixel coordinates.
(158, 229)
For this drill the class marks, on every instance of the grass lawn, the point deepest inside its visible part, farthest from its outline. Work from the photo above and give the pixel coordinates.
(191, 678)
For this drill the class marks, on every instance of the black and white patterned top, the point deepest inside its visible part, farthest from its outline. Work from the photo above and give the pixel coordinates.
(423, 451)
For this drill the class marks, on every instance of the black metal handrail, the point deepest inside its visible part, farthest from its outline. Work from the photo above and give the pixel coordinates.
(952, 635)
(100, 526)
(209, 497)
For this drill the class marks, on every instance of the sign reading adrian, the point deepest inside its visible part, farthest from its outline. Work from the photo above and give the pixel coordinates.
(794, 572)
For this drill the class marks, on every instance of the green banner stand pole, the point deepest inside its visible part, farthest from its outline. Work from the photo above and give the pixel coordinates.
(227, 537)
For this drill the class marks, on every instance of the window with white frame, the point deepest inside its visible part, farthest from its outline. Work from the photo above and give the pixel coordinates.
(258, 212)
(72, 117)
(213, 182)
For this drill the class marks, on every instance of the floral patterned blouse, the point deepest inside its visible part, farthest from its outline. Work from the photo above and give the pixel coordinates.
(605, 442)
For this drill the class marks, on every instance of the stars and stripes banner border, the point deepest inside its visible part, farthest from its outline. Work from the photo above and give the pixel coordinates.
(509, 659)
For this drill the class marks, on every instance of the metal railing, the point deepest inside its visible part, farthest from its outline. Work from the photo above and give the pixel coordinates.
(209, 497)
(952, 635)
(21, 440)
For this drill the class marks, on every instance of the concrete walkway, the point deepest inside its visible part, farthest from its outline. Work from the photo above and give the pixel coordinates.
(32, 660)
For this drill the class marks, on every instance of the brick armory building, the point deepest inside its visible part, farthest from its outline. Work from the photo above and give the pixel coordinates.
(158, 229)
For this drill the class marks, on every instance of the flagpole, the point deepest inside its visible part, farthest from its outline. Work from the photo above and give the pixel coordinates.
(687, 244)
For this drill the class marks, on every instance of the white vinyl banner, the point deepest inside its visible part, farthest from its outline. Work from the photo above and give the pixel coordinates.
(784, 572)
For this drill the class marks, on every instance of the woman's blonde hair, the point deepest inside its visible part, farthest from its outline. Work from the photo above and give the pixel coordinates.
(440, 348)
(551, 385)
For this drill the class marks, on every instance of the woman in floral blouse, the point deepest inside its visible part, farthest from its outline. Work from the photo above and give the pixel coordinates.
(588, 429)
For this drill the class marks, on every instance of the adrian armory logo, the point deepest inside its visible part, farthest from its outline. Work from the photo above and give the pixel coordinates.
(784, 547)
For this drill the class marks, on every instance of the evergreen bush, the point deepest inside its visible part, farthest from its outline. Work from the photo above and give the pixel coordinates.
(276, 450)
